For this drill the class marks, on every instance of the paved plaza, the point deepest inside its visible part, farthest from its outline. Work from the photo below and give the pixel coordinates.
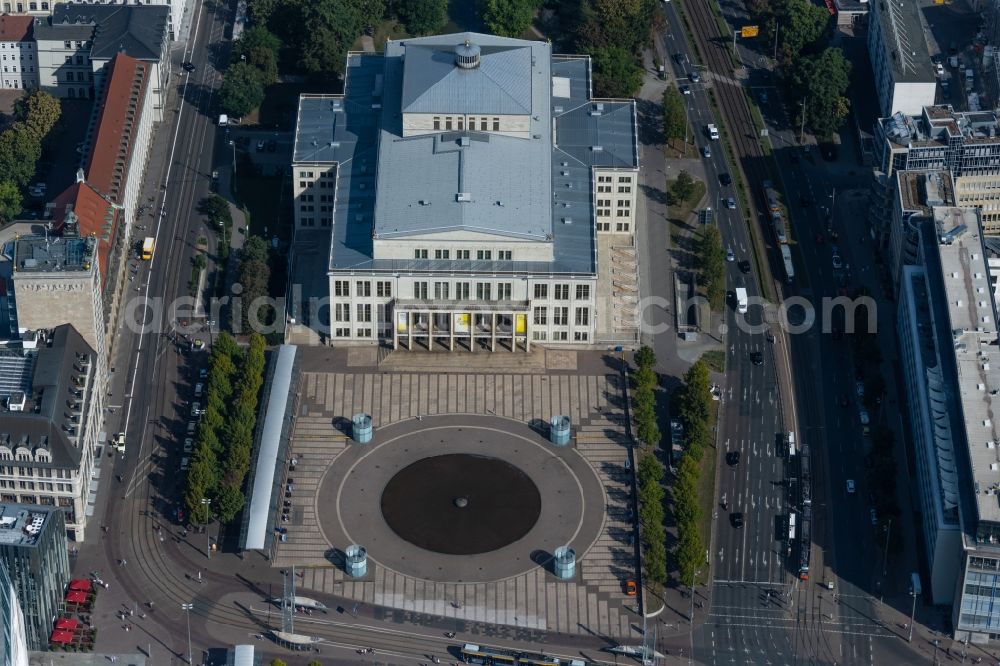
(584, 489)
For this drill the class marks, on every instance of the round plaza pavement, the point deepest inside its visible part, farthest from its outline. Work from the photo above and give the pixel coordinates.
(460, 499)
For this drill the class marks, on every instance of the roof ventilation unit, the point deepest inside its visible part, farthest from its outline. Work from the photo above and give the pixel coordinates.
(467, 55)
(463, 196)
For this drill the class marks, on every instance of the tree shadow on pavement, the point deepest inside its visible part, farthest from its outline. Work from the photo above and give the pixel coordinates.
(649, 116)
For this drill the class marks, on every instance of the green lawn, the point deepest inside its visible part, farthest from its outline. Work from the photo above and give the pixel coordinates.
(715, 360)
(706, 494)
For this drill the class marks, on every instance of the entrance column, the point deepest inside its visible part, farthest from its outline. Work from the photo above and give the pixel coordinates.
(472, 331)
(513, 332)
(451, 332)
(493, 332)
(527, 334)
(395, 333)
(409, 330)
(430, 331)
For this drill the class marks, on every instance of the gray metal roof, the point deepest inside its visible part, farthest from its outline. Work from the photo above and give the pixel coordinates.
(381, 176)
(136, 30)
(270, 444)
(435, 168)
(501, 84)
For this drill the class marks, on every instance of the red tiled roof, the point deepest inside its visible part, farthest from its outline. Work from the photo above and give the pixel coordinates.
(95, 216)
(112, 149)
(15, 28)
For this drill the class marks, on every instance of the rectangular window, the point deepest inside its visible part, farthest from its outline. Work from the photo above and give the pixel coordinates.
(582, 317)
(341, 312)
(364, 288)
(442, 254)
(342, 332)
(461, 291)
(484, 291)
(461, 123)
(583, 292)
(580, 336)
(541, 336)
(484, 255)
(447, 123)
(624, 189)
(541, 317)
(420, 254)
(437, 123)
(341, 288)
(441, 290)
(483, 124)
(420, 290)
(623, 213)
(504, 255)
(562, 292)
(623, 227)
(560, 316)
(496, 124)
(560, 336)
(624, 203)
(624, 179)
(461, 254)
(363, 333)
(364, 312)
(383, 289)
(504, 290)
(541, 291)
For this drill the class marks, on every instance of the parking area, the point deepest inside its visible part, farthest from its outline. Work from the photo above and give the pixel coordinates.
(269, 152)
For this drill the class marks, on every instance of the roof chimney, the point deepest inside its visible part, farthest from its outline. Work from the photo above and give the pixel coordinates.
(467, 55)
(80, 178)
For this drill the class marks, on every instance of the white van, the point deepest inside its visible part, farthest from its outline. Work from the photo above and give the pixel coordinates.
(713, 132)
(223, 120)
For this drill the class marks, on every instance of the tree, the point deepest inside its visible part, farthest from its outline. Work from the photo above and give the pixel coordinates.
(615, 23)
(333, 27)
(674, 114)
(199, 261)
(254, 249)
(696, 398)
(261, 11)
(648, 471)
(10, 201)
(277, 662)
(230, 502)
(507, 18)
(645, 357)
(422, 17)
(823, 79)
(802, 24)
(242, 89)
(616, 72)
(19, 152)
(39, 111)
(645, 378)
(255, 37)
(683, 188)
(711, 261)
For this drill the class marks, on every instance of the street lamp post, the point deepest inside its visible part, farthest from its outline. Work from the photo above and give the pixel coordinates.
(885, 556)
(232, 144)
(936, 643)
(208, 539)
(913, 611)
(187, 611)
(802, 129)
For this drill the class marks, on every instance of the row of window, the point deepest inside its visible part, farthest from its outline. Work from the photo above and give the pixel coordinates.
(14, 70)
(309, 208)
(610, 179)
(42, 473)
(481, 255)
(322, 197)
(18, 57)
(311, 221)
(78, 44)
(458, 123)
(79, 60)
(32, 7)
(622, 227)
(560, 316)
(560, 336)
(78, 76)
(31, 485)
(460, 291)
(16, 45)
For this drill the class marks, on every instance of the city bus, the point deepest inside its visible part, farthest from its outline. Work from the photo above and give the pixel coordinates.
(147, 248)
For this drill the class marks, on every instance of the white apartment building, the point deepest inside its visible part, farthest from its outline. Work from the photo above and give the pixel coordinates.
(905, 78)
(77, 43)
(17, 53)
(51, 414)
(466, 179)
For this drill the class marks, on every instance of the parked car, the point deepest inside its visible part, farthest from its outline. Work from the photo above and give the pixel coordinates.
(837, 262)
(695, 77)
(188, 67)
(706, 151)
(196, 409)
(730, 255)
(188, 444)
(199, 388)
(261, 145)
(757, 358)
(863, 416)
(725, 178)
(744, 266)
(631, 589)
(737, 520)
(731, 203)
(850, 486)
(733, 458)
(874, 516)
